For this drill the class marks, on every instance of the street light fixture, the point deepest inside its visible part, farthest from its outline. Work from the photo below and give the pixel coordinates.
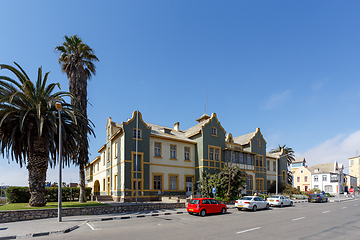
(59, 108)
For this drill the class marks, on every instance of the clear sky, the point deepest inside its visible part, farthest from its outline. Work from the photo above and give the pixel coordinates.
(291, 68)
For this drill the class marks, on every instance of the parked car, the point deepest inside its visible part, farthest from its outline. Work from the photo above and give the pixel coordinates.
(279, 201)
(316, 197)
(203, 206)
(252, 203)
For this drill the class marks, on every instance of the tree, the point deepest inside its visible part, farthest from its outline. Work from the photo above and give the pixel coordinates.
(290, 157)
(221, 182)
(29, 129)
(77, 61)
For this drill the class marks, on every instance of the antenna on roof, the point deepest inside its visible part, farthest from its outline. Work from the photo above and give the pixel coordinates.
(207, 101)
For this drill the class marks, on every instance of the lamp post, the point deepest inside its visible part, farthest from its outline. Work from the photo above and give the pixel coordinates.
(2, 184)
(59, 107)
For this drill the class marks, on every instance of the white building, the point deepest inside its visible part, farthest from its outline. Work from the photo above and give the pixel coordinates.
(328, 177)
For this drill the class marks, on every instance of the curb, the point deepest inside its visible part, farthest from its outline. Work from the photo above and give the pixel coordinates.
(30, 235)
(136, 216)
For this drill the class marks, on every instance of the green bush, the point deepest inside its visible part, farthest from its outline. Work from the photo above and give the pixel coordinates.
(22, 194)
(17, 194)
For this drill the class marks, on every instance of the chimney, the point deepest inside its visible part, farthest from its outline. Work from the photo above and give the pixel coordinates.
(177, 126)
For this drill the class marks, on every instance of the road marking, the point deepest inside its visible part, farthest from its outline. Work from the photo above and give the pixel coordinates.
(326, 211)
(92, 228)
(295, 219)
(355, 204)
(252, 229)
(343, 207)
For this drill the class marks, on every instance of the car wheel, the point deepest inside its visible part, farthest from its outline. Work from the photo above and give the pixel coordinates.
(254, 208)
(223, 211)
(267, 206)
(281, 205)
(203, 213)
(190, 213)
(239, 209)
(291, 204)
(321, 201)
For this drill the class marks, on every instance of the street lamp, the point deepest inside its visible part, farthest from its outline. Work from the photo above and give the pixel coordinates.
(59, 107)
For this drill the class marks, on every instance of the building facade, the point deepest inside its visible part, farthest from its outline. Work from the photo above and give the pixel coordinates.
(354, 168)
(145, 161)
(327, 177)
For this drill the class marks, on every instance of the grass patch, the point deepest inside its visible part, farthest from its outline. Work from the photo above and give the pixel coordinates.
(25, 206)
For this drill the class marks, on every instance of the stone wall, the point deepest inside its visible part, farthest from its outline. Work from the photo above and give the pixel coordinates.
(23, 215)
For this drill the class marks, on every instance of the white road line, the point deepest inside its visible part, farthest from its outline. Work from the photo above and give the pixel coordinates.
(326, 211)
(92, 228)
(343, 207)
(252, 229)
(295, 219)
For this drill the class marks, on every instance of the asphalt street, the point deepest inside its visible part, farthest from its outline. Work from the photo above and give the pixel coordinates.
(303, 221)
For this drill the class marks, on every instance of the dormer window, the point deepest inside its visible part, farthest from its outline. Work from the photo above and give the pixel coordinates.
(167, 131)
(258, 143)
(316, 170)
(214, 131)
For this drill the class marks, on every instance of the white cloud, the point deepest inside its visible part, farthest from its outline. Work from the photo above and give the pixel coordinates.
(339, 149)
(277, 99)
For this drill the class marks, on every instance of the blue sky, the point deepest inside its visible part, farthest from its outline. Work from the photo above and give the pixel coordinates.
(289, 67)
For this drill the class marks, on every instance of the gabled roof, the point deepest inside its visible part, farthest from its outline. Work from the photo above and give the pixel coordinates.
(323, 168)
(299, 160)
(203, 120)
(157, 130)
(245, 139)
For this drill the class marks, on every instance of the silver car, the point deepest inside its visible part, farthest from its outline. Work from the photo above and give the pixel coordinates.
(279, 201)
(252, 203)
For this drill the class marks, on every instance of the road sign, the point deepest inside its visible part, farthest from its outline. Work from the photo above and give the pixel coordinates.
(351, 191)
(213, 190)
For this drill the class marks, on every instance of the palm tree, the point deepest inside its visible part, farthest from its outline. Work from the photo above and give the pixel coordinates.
(77, 61)
(29, 126)
(290, 157)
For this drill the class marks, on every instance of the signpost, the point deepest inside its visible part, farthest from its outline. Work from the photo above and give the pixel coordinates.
(214, 191)
(351, 191)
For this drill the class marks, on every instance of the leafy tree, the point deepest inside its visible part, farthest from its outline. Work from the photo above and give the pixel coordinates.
(221, 182)
(29, 126)
(290, 157)
(281, 187)
(77, 61)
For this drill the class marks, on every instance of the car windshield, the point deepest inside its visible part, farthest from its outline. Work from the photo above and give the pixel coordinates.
(194, 201)
(313, 195)
(246, 198)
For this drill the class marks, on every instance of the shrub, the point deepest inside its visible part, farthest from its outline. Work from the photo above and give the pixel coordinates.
(22, 194)
(290, 190)
(17, 194)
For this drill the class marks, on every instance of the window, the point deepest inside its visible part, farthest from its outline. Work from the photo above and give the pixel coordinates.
(137, 133)
(298, 187)
(256, 161)
(157, 182)
(258, 143)
(324, 178)
(214, 131)
(172, 151)
(305, 179)
(115, 150)
(241, 157)
(137, 162)
(284, 176)
(173, 182)
(301, 171)
(108, 159)
(351, 162)
(261, 161)
(157, 149)
(103, 157)
(274, 165)
(139, 185)
(316, 178)
(187, 153)
(233, 157)
(104, 184)
(217, 158)
(267, 165)
(316, 186)
(268, 185)
(98, 166)
(328, 188)
(297, 179)
(211, 153)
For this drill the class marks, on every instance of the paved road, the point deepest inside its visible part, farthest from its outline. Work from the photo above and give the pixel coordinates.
(304, 221)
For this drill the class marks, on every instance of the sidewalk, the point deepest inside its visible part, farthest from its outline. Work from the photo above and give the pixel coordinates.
(50, 226)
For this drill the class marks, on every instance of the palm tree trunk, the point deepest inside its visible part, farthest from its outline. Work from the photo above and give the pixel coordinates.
(82, 197)
(37, 167)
